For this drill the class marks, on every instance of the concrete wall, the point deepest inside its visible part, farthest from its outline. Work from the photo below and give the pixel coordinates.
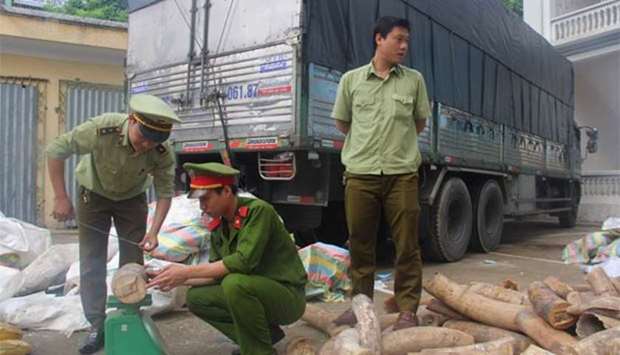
(39, 25)
(597, 104)
(537, 14)
(597, 88)
(55, 71)
(37, 45)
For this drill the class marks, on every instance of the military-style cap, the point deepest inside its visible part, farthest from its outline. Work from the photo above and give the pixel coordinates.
(155, 116)
(207, 176)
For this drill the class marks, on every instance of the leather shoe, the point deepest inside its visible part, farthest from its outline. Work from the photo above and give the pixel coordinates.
(277, 333)
(93, 342)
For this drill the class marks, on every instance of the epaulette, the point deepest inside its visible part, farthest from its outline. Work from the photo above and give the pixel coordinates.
(108, 130)
(215, 222)
(242, 214)
(243, 211)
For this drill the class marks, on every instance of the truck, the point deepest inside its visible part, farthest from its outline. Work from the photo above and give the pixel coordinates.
(255, 81)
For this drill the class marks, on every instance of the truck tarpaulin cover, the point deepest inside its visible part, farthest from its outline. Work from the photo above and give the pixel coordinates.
(475, 55)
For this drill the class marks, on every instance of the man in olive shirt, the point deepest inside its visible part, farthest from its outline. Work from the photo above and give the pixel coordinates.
(381, 108)
(119, 152)
(259, 277)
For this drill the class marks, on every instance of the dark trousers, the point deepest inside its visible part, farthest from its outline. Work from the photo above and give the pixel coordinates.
(95, 214)
(366, 197)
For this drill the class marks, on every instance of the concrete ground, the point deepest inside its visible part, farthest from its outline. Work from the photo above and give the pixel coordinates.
(529, 252)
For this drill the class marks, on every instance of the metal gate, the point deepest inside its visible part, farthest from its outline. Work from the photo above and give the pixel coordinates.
(80, 101)
(22, 104)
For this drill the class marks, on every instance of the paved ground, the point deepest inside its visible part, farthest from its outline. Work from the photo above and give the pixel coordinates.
(530, 251)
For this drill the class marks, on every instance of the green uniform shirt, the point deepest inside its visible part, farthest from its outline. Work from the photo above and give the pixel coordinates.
(382, 138)
(109, 166)
(257, 243)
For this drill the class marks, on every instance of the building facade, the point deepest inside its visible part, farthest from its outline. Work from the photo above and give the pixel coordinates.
(55, 72)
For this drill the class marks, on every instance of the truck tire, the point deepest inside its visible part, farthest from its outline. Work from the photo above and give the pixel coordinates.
(568, 219)
(450, 223)
(488, 225)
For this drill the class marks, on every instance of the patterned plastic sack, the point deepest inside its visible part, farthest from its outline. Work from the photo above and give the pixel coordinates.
(183, 235)
(586, 249)
(327, 268)
(595, 247)
(608, 251)
(179, 241)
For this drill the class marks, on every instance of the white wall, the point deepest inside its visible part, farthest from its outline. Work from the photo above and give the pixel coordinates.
(597, 104)
(532, 14)
(537, 14)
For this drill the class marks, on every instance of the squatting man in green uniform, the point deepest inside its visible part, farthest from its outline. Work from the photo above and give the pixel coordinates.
(381, 107)
(257, 278)
(121, 155)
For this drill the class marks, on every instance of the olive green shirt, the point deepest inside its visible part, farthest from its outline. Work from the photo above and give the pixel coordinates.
(109, 166)
(382, 138)
(257, 243)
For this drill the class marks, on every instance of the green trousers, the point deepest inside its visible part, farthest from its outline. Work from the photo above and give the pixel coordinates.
(244, 306)
(366, 197)
(94, 215)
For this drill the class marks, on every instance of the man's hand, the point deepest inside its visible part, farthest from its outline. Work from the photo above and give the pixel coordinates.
(169, 278)
(149, 242)
(343, 126)
(63, 209)
(420, 125)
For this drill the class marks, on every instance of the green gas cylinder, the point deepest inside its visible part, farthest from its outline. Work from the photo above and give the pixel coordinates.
(130, 332)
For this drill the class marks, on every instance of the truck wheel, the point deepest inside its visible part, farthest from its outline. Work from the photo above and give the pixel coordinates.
(450, 223)
(568, 219)
(488, 217)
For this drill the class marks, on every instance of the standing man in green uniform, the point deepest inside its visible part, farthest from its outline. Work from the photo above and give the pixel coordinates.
(381, 107)
(259, 279)
(120, 153)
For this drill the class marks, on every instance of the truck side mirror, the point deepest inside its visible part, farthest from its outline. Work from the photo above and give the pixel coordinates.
(592, 145)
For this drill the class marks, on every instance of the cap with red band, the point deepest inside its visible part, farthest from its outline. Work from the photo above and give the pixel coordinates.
(209, 176)
(211, 182)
